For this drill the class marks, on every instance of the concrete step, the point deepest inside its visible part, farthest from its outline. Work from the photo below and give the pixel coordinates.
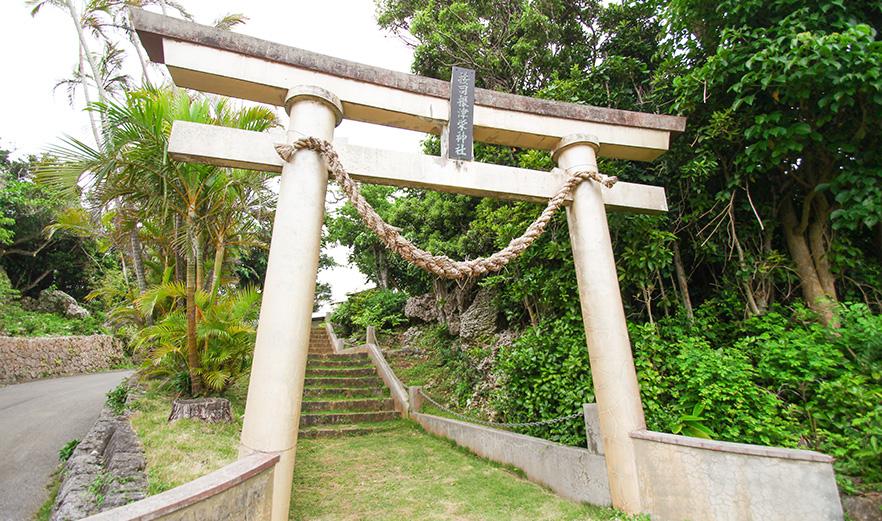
(333, 418)
(354, 405)
(336, 431)
(332, 357)
(349, 392)
(338, 381)
(327, 364)
(342, 371)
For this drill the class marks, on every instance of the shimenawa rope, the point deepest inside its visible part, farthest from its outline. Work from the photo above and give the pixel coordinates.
(440, 265)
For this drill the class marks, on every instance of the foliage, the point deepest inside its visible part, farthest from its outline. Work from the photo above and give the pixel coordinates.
(32, 258)
(383, 309)
(15, 321)
(225, 337)
(545, 374)
(65, 452)
(116, 398)
(769, 380)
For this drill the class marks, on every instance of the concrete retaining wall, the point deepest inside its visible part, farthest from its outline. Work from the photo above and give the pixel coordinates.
(241, 491)
(396, 388)
(571, 472)
(684, 478)
(30, 358)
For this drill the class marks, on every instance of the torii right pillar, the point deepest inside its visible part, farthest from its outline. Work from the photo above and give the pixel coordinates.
(609, 349)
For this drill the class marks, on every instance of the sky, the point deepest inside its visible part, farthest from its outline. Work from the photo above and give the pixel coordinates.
(39, 51)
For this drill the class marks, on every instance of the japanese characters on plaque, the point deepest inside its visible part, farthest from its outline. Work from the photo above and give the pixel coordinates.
(460, 130)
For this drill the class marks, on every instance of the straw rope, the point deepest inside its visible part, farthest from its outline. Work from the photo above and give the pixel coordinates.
(440, 265)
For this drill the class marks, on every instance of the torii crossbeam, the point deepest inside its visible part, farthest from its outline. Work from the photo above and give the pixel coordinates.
(318, 92)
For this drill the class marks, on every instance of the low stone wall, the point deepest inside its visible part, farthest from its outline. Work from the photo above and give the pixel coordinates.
(572, 472)
(106, 470)
(690, 478)
(241, 491)
(30, 358)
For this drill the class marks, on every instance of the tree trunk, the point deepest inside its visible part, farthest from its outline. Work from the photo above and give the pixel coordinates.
(382, 268)
(200, 260)
(812, 290)
(138, 259)
(138, 265)
(683, 282)
(746, 284)
(647, 299)
(818, 236)
(92, 113)
(193, 361)
(96, 76)
(217, 270)
(179, 259)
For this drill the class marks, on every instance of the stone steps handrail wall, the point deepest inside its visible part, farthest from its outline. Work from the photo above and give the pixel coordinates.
(399, 393)
(241, 490)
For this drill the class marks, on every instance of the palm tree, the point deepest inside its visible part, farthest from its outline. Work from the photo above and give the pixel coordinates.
(132, 170)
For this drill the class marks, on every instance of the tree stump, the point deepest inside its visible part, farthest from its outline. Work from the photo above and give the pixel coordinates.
(211, 410)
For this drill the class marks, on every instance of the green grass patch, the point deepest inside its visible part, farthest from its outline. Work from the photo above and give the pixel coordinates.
(399, 473)
(52, 490)
(183, 450)
(405, 473)
(15, 321)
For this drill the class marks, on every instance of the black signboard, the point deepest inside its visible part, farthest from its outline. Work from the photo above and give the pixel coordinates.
(460, 129)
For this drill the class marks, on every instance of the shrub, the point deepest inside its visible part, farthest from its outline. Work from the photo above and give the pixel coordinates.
(545, 374)
(116, 398)
(65, 452)
(381, 308)
(225, 337)
(779, 379)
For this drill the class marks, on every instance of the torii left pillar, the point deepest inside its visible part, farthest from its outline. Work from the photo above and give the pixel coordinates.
(275, 392)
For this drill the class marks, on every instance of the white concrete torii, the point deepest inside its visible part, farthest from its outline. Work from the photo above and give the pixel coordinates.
(318, 92)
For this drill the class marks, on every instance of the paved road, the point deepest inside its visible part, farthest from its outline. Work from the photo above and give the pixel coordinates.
(36, 419)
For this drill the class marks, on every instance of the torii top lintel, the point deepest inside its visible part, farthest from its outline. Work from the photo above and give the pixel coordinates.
(231, 64)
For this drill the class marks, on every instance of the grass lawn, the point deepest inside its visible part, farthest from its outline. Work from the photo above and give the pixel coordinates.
(405, 473)
(402, 473)
(184, 450)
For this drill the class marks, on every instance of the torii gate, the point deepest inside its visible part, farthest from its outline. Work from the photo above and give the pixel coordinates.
(318, 92)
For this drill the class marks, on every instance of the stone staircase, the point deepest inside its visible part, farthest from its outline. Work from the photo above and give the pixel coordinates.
(342, 394)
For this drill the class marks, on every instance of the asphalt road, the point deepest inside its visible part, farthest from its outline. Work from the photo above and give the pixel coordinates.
(36, 419)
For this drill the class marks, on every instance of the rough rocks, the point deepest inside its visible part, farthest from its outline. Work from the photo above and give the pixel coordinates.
(480, 317)
(105, 471)
(29, 358)
(409, 338)
(422, 307)
(867, 507)
(55, 301)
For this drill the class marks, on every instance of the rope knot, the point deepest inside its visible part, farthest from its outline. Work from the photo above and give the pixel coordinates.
(606, 180)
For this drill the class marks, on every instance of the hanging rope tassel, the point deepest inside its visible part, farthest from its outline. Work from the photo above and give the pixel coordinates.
(440, 265)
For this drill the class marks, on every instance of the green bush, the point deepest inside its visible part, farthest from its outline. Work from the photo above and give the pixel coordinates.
(15, 321)
(65, 452)
(116, 398)
(779, 379)
(225, 337)
(545, 374)
(381, 308)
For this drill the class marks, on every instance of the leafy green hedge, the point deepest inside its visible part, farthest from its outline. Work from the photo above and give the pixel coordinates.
(381, 308)
(780, 379)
